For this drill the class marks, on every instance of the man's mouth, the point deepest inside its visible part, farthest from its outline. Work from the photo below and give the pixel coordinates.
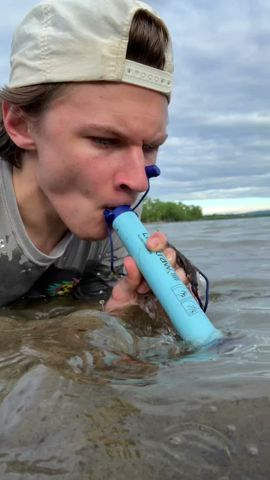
(112, 207)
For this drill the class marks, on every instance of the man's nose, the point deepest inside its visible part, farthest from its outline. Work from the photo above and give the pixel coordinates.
(132, 175)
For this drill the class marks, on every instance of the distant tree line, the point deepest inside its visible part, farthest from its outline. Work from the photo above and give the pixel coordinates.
(156, 211)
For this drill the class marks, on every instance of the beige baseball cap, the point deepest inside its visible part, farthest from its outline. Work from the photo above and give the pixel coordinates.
(82, 40)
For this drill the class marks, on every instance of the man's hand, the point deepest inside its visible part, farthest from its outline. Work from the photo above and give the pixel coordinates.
(130, 288)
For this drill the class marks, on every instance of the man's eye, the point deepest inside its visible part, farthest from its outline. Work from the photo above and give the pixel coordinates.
(105, 142)
(149, 147)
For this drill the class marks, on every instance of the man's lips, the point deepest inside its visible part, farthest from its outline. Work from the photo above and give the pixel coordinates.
(112, 207)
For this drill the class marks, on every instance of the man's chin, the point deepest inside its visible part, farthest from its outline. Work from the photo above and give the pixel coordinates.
(93, 236)
(93, 230)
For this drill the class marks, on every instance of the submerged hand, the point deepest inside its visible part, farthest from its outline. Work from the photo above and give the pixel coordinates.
(129, 290)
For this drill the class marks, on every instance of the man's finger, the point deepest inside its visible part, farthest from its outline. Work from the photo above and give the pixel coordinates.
(157, 241)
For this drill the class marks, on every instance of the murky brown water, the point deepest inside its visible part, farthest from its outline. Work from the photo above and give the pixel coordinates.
(84, 395)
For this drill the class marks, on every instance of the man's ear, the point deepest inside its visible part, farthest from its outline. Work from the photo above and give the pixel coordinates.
(17, 126)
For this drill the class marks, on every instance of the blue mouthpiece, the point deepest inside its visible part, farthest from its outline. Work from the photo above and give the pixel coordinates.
(110, 215)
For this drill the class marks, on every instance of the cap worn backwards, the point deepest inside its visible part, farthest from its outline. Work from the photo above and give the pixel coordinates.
(79, 40)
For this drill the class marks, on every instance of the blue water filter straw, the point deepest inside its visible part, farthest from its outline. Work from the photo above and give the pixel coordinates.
(181, 307)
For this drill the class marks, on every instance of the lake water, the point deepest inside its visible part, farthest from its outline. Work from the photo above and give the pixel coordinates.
(87, 396)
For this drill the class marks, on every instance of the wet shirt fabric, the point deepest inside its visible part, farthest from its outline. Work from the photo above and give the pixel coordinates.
(78, 266)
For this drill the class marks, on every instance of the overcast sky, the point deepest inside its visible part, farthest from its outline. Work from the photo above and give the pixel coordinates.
(218, 150)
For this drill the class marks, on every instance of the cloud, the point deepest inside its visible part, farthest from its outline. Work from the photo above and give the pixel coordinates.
(12, 12)
(220, 117)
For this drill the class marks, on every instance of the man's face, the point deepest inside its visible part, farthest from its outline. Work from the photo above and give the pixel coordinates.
(91, 147)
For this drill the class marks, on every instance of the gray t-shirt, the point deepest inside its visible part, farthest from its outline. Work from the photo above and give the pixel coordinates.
(24, 269)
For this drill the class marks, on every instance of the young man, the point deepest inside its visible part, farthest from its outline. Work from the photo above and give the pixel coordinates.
(84, 113)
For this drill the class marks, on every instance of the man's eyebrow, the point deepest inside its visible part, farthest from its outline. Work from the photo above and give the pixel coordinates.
(122, 133)
(160, 139)
(103, 129)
